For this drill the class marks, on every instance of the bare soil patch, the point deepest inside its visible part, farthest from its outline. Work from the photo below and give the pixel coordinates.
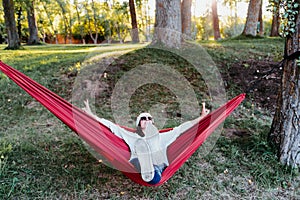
(259, 79)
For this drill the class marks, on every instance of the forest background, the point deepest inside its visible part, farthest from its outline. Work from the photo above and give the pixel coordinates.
(106, 21)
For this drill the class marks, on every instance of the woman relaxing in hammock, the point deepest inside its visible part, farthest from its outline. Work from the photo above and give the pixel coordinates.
(148, 148)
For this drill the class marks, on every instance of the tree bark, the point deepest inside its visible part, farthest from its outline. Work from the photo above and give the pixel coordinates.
(252, 18)
(275, 23)
(135, 30)
(19, 14)
(285, 130)
(215, 16)
(10, 23)
(168, 23)
(186, 17)
(32, 24)
(261, 22)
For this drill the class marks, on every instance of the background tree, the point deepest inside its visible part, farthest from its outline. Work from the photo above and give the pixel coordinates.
(78, 7)
(275, 9)
(252, 18)
(10, 23)
(107, 21)
(285, 130)
(234, 15)
(48, 12)
(260, 22)
(204, 26)
(3, 34)
(32, 23)
(92, 14)
(168, 23)
(66, 19)
(144, 18)
(134, 25)
(186, 17)
(18, 5)
(120, 18)
(215, 17)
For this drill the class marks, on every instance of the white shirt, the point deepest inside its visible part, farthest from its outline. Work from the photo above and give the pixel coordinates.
(157, 142)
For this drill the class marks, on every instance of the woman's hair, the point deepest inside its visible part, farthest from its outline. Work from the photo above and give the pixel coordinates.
(139, 131)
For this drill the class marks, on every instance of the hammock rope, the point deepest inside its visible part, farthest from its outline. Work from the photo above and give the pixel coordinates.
(108, 145)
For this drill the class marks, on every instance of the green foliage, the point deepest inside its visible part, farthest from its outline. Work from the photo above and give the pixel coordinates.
(4, 149)
(203, 27)
(288, 16)
(290, 25)
(298, 62)
(232, 28)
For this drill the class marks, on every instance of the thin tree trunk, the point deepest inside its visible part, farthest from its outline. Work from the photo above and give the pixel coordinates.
(44, 36)
(79, 22)
(95, 39)
(186, 17)
(10, 23)
(148, 22)
(32, 24)
(135, 30)
(168, 23)
(215, 16)
(51, 23)
(285, 130)
(252, 18)
(70, 29)
(261, 22)
(19, 22)
(275, 23)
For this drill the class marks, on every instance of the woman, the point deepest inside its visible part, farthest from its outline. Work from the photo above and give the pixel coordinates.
(148, 148)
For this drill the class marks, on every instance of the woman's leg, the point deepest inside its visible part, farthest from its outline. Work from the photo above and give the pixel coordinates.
(145, 160)
(157, 175)
(136, 164)
(157, 171)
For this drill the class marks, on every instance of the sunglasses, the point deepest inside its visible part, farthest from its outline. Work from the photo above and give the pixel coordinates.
(146, 118)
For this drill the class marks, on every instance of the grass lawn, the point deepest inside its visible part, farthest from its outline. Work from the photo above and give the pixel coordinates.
(40, 158)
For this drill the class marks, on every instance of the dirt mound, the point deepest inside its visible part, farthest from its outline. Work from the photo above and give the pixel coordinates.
(259, 79)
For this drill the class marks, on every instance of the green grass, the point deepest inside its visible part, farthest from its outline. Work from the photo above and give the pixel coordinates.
(40, 158)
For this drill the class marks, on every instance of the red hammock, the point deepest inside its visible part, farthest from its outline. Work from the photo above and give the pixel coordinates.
(110, 146)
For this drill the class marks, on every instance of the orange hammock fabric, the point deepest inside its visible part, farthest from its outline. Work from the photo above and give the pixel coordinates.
(111, 147)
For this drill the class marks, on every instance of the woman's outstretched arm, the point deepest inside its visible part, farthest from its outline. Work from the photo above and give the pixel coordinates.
(116, 129)
(170, 136)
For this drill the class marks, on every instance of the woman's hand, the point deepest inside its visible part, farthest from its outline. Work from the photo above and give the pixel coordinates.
(204, 111)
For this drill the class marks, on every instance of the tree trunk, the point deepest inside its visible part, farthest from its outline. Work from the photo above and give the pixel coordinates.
(79, 22)
(148, 22)
(19, 22)
(261, 22)
(95, 39)
(70, 29)
(252, 18)
(10, 23)
(32, 24)
(45, 7)
(275, 23)
(215, 20)
(186, 17)
(285, 130)
(168, 23)
(135, 30)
